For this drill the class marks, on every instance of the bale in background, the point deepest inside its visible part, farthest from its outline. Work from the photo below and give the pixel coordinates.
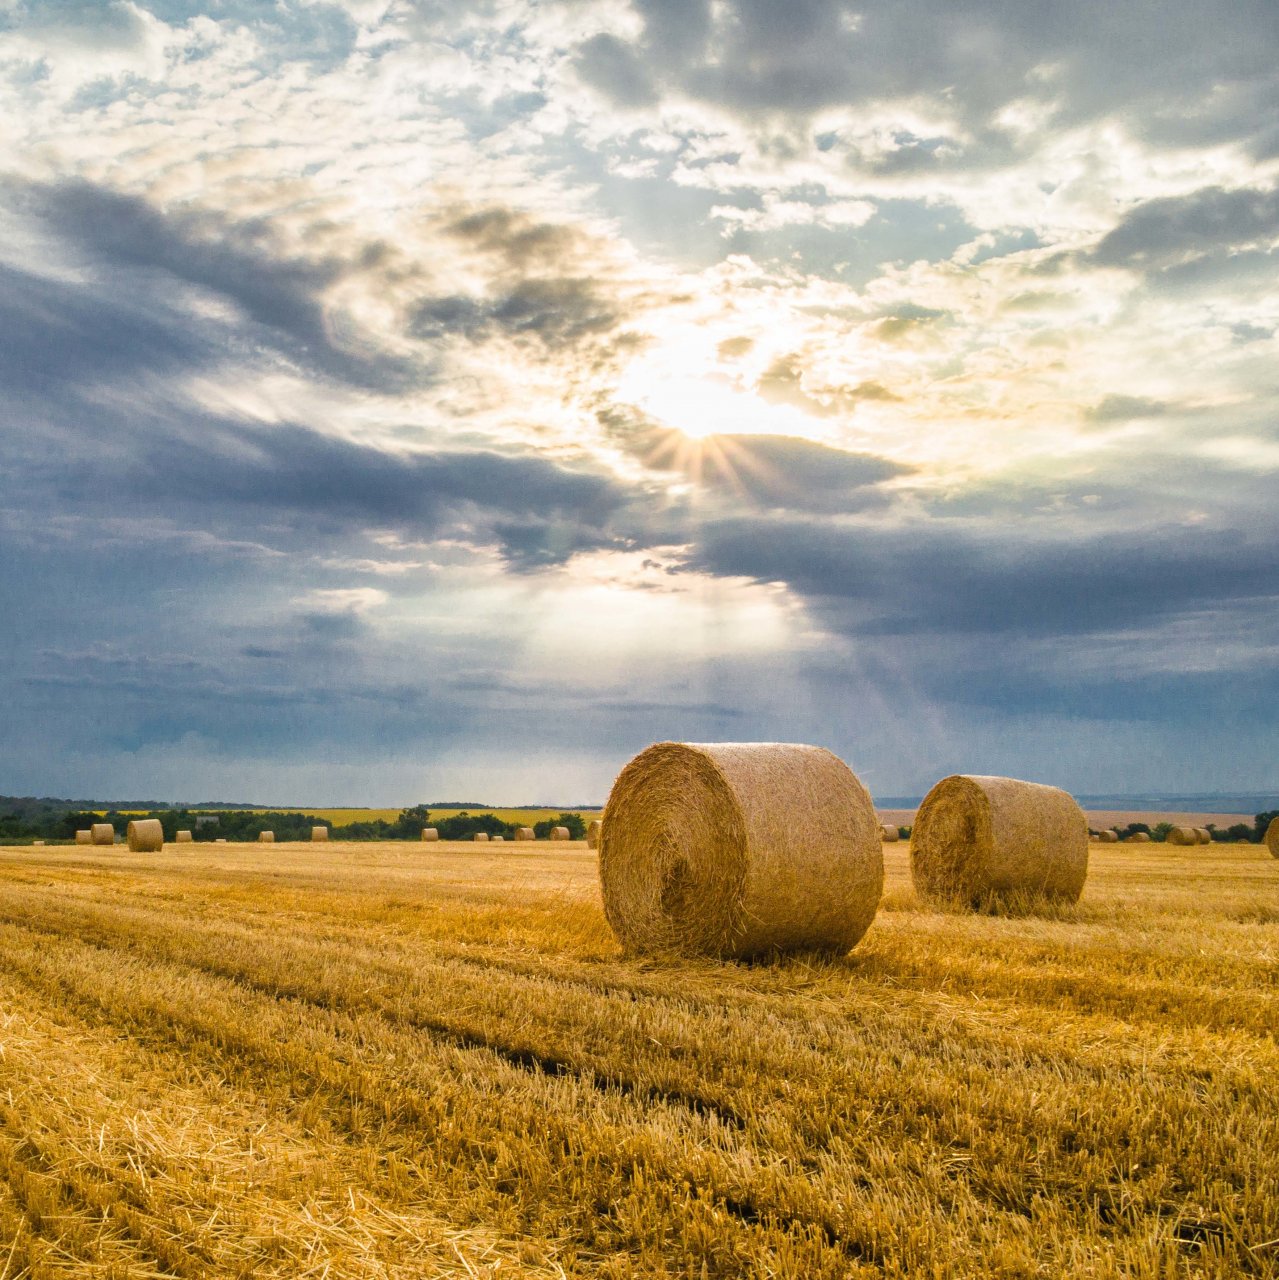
(102, 833)
(481, 837)
(889, 835)
(145, 835)
(739, 849)
(220, 840)
(319, 833)
(1205, 836)
(593, 834)
(266, 837)
(979, 838)
(1108, 836)
(430, 833)
(84, 836)
(559, 833)
(525, 833)
(1183, 835)
(1139, 837)
(184, 837)
(37, 842)
(499, 839)
(1272, 837)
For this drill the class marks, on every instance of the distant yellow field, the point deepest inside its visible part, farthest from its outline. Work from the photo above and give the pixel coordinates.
(344, 817)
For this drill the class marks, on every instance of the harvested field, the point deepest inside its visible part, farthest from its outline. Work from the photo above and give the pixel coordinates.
(391, 1060)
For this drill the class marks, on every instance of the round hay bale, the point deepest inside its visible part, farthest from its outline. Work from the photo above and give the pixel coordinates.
(103, 833)
(1138, 837)
(37, 842)
(481, 837)
(889, 835)
(1183, 835)
(266, 837)
(184, 837)
(1272, 837)
(84, 836)
(1205, 836)
(525, 833)
(560, 833)
(1108, 836)
(145, 835)
(220, 840)
(739, 849)
(319, 833)
(593, 834)
(499, 839)
(979, 837)
(430, 833)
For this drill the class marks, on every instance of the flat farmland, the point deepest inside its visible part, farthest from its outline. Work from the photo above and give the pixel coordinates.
(397, 1060)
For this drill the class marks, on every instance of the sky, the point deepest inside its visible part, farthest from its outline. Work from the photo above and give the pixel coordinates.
(422, 400)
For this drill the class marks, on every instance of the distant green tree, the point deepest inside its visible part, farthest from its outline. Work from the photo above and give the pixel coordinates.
(1160, 831)
(1263, 820)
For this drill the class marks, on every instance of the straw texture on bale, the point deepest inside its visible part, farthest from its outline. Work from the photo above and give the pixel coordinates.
(481, 837)
(525, 833)
(1272, 837)
(593, 834)
(84, 836)
(319, 833)
(184, 837)
(1108, 837)
(1183, 835)
(430, 833)
(1139, 837)
(1205, 836)
(739, 849)
(890, 835)
(266, 837)
(499, 839)
(978, 838)
(145, 835)
(103, 833)
(559, 833)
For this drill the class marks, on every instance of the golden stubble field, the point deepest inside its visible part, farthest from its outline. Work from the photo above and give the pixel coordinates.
(391, 1060)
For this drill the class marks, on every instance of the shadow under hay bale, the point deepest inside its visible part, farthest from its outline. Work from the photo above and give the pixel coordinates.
(145, 835)
(739, 850)
(999, 844)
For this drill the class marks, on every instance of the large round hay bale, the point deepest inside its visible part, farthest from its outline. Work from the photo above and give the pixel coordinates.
(145, 835)
(560, 833)
(593, 834)
(481, 837)
(1138, 837)
(1109, 836)
(430, 833)
(266, 837)
(102, 833)
(184, 837)
(738, 849)
(1182, 835)
(525, 833)
(979, 838)
(1204, 835)
(84, 836)
(319, 833)
(1272, 837)
(889, 835)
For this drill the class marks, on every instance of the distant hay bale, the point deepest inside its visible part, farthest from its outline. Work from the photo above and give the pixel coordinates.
(430, 833)
(184, 837)
(560, 833)
(1205, 836)
(103, 833)
(739, 849)
(1138, 837)
(266, 837)
(84, 836)
(145, 835)
(499, 839)
(593, 834)
(889, 835)
(1272, 837)
(319, 833)
(220, 840)
(981, 838)
(481, 837)
(1183, 835)
(525, 833)
(1108, 836)
(37, 842)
